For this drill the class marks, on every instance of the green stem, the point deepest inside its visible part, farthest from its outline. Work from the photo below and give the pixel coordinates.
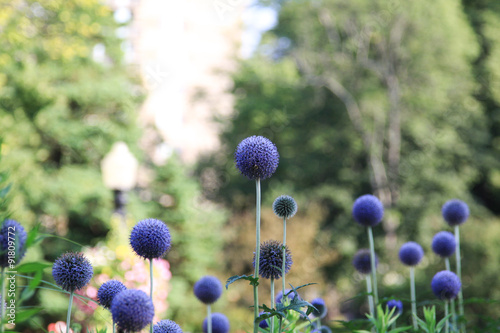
(209, 318)
(370, 294)
(2, 305)
(68, 317)
(447, 325)
(447, 263)
(459, 274)
(272, 302)
(114, 327)
(151, 288)
(257, 257)
(374, 269)
(284, 256)
(452, 302)
(413, 298)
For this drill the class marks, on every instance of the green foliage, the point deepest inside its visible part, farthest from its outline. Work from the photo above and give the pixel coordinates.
(383, 322)
(430, 325)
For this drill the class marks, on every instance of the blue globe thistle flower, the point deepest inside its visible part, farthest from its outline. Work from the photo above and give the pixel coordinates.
(150, 238)
(271, 259)
(289, 293)
(220, 323)
(72, 271)
(15, 231)
(263, 323)
(395, 304)
(445, 285)
(208, 289)
(320, 306)
(367, 210)
(444, 244)
(455, 212)
(167, 326)
(411, 253)
(362, 261)
(256, 157)
(132, 310)
(108, 290)
(285, 206)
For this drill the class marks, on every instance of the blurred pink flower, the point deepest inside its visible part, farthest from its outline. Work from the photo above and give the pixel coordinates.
(58, 327)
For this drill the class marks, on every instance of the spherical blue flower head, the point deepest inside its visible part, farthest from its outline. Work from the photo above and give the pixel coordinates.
(108, 291)
(320, 306)
(72, 271)
(362, 261)
(132, 310)
(220, 323)
(455, 212)
(150, 238)
(271, 259)
(289, 295)
(263, 323)
(411, 253)
(208, 289)
(13, 230)
(256, 157)
(444, 244)
(367, 210)
(285, 206)
(167, 326)
(395, 304)
(445, 285)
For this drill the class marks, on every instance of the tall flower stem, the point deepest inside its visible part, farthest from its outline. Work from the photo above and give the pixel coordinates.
(370, 294)
(272, 302)
(447, 325)
(209, 318)
(257, 257)
(151, 287)
(413, 298)
(459, 274)
(284, 256)
(2, 299)
(68, 317)
(374, 269)
(452, 302)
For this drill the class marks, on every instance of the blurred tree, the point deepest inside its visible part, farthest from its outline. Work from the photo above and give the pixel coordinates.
(365, 97)
(66, 95)
(60, 111)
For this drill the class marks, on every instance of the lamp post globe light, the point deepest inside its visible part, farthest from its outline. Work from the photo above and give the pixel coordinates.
(119, 173)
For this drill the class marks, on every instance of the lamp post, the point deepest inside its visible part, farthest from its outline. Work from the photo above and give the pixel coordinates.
(119, 173)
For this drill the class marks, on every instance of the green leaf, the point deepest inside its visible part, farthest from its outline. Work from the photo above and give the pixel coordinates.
(253, 280)
(22, 315)
(32, 236)
(33, 267)
(400, 329)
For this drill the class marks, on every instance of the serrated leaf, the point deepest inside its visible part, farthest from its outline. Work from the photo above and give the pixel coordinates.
(254, 281)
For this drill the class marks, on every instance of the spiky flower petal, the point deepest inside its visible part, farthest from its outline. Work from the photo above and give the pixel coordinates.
(271, 259)
(411, 253)
(220, 323)
(455, 212)
(367, 210)
(167, 326)
(108, 290)
(285, 206)
(208, 289)
(362, 261)
(150, 238)
(72, 271)
(132, 310)
(256, 157)
(445, 285)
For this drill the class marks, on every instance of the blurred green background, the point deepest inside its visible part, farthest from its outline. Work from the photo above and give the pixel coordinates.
(396, 98)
